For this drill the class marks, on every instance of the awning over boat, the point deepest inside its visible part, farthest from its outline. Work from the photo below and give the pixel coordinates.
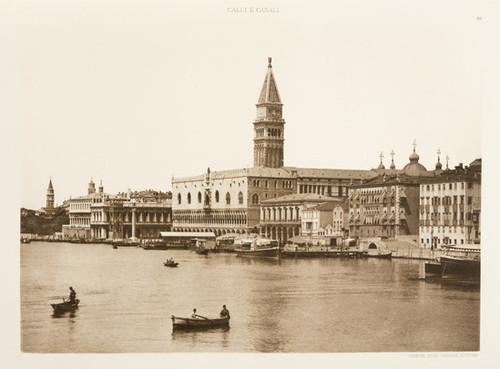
(188, 234)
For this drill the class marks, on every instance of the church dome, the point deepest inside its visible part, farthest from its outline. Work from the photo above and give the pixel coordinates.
(414, 157)
(414, 168)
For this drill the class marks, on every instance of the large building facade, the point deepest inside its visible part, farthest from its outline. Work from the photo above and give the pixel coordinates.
(226, 201)
(388, 204)
(229, 201)
(450, 207)
(99, 215)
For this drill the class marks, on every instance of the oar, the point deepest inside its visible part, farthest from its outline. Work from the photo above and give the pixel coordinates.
(204, 317)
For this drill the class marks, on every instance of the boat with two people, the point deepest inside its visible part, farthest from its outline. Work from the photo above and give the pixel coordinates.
(197, 321)
(256, 246)
(170, 263)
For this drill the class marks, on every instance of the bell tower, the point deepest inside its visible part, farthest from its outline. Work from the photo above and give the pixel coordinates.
(269, 126)
(49, 204)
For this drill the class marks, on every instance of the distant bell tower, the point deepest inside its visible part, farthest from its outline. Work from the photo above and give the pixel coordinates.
(50, 196)
(91, 187)
(269, 126)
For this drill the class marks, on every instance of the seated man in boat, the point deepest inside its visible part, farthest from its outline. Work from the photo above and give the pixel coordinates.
(194, 315)
(72, 295)
(224, 312)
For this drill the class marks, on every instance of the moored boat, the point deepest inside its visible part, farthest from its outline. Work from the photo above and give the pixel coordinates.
(199, 323)
(464, 260)
(65, 306)
(256, 247)
(132, 241)
(200, 246)
(155, 246)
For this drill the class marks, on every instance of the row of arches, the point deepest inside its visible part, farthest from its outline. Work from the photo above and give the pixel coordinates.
(223, 218)
(217, 198)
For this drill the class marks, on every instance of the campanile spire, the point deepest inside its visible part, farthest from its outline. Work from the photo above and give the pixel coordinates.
(269, 126)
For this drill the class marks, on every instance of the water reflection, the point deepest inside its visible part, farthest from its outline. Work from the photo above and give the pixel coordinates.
(199, 337)
(63, 314)
(258, 260)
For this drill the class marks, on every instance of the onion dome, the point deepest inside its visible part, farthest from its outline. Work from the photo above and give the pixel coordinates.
(439, 166)
(414, 168)
(393, 166)
(381, 165)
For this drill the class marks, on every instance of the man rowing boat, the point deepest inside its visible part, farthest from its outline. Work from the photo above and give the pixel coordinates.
(224, 312)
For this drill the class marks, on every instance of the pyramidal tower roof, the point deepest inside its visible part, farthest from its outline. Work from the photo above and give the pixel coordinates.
(50, 183)
(269, 93)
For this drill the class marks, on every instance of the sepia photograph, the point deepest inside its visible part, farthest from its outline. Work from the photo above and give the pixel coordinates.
(291, 182)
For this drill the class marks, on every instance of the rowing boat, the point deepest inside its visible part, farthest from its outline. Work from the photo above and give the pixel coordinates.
(171, 264)
(195, 323)
(65, 306)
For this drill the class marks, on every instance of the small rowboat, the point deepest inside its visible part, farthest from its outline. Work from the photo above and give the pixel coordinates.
(65, 306)
(199, 323)
(171, 264)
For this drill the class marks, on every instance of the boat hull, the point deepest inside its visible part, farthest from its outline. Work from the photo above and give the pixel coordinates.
(433, 268)
(381, 255)
(65, 307)
(161, 247)
(269, 252)
(199, 323)
(171, 265)
(462, 267)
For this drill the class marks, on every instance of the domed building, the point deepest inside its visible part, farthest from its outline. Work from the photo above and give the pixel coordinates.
(414, 168)
(388, 205)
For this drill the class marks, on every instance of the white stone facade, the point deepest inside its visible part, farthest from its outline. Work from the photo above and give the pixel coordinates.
(449, 213)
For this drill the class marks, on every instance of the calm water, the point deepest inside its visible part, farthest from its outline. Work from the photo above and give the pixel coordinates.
(287, 305)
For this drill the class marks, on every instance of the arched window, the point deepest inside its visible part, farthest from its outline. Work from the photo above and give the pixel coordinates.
(199, 197)
(216, 196)
(240, 198)
(189, 198)
(228, 199)
(179, 198)
(255, 199)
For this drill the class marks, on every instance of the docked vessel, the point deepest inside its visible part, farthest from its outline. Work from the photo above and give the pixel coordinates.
(199, 323)
(201, 246)
(132, 241)
(155, 245)
(462, 261)
(256, 247)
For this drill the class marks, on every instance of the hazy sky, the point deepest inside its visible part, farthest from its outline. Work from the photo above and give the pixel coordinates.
(134, 93)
